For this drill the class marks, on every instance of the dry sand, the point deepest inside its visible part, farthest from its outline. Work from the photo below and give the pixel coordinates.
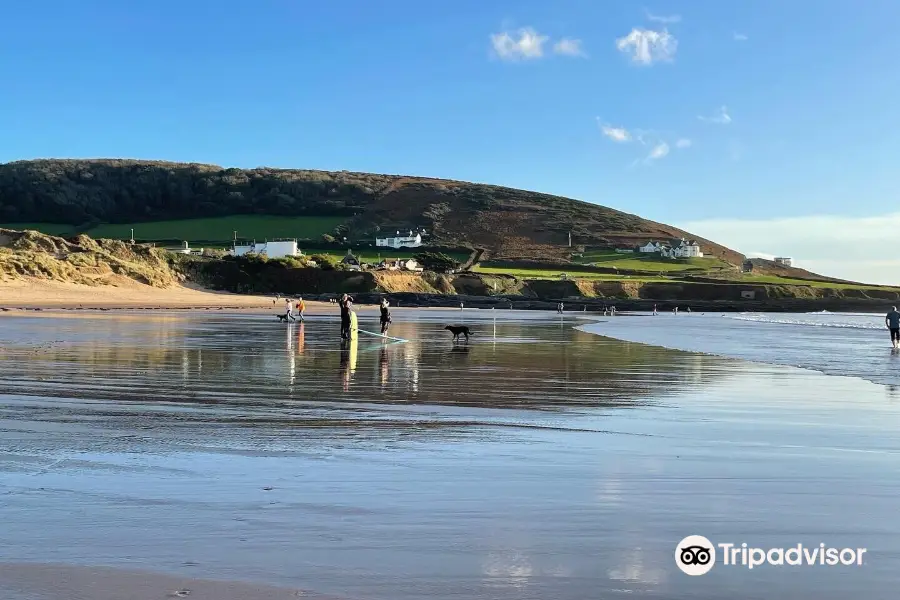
(61, 582)
(36, 293)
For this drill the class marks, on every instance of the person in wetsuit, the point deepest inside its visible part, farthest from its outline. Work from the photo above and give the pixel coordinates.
(346, 303)
(892, 321)
(385, 316)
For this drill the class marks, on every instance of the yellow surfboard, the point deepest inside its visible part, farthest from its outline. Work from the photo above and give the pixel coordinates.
(354, 326)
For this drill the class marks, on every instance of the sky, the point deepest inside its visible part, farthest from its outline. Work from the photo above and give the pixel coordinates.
(771, 127)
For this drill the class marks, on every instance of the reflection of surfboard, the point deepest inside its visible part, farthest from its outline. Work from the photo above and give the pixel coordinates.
(354, 326)
(354, 347)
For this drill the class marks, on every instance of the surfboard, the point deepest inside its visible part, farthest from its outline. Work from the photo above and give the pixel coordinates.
(354, 326)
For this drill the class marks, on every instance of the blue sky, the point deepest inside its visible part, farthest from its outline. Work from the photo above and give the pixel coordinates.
(600, 101)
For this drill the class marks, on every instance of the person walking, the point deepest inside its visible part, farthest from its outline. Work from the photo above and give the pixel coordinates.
(892, 322)
(385, 316)
(289, 310)
(301, 307)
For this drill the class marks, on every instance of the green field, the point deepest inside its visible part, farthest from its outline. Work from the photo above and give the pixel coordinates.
(259, 227)
(774, 279)
(48, 228)
(650, 262)
(529, 273)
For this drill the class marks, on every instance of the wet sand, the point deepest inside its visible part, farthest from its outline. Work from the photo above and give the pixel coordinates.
(64, 582)
(537, 462)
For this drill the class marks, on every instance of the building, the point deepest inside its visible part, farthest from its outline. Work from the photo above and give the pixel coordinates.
(650, 247)
(186, 249)
(398, 264)
(350, 260)
(680, 249)
(784, 261)
(408, 239)
(686, 249)
(273, 249)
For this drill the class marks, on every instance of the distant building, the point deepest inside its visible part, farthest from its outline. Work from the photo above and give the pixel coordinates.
(406, 239)
(650, 247)
(186, 249)
(350, 260)
(784, 261)
(680, 249)
(273, 249)
(398, 264)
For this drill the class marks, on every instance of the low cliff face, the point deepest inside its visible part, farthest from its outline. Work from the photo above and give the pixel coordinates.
(81, 260)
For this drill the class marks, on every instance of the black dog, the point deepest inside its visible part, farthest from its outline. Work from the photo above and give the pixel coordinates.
(458, 330)
(284, 318)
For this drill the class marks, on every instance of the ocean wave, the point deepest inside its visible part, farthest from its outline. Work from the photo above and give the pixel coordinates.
(865, 321)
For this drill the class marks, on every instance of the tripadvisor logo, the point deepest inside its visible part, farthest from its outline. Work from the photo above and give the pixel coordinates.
(696, 555)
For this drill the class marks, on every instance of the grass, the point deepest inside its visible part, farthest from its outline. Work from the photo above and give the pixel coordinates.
(212, 230)
(259, 227)
(775, 279)
(48, 228)
(650, 262)
(527, 273)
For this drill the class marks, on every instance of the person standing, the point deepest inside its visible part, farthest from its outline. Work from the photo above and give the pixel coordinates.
(892, 322)
(385, 316)
(654, 310)
(345, 303)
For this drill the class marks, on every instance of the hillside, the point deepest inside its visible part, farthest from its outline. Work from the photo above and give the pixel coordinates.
(508, 223)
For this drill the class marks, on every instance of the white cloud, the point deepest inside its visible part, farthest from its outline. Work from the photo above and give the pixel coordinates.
(616, 134)
(838, 246)
(569, 47)
(662, 19)
(683, 143)
(647, 46)
(740, 37)
(660, 150)
(721, 117)
(525, 44)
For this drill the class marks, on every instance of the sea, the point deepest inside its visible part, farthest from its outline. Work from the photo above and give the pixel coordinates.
(562, 457)
(845, 344)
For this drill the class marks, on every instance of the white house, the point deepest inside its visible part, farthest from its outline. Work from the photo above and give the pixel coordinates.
(273, 249)
(784, 261)
(398, 264)
(683, 249)
(651, 247)
(687, 249)
(409, 239)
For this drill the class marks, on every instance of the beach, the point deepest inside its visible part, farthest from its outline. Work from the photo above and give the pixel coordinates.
(542, 460)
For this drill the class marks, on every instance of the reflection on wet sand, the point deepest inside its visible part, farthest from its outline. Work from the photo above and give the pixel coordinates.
(236, 360)
(536, 462)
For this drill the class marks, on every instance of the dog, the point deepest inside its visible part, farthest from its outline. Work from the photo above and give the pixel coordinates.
(458, 330)
(284, 318)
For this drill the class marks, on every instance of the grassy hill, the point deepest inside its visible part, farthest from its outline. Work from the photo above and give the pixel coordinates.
(169, 199)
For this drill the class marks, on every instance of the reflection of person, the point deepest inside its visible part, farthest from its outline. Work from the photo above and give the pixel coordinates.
(385, 316)
(383, 365)
(892, 322)
(348, 361)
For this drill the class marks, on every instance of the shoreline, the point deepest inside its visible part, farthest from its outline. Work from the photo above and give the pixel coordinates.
(39, 295)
